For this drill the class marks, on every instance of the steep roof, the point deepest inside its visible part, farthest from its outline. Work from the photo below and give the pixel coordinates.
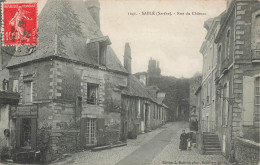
(63, 30)
(135, 88)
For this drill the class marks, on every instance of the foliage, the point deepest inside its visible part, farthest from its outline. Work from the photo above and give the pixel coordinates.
(176, 90)
(5, 153)
(44, 137)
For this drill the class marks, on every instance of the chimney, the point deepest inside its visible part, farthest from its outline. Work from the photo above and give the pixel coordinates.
(228, 3)
(93, 7)
(128, 58)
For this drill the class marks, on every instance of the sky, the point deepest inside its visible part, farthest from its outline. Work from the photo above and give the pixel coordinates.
(173, 40)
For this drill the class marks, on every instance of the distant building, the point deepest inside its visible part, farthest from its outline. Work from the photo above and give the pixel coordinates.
(194, 82)
(153, 68)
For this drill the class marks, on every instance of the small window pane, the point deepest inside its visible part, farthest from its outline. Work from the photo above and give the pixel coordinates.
(257, 32)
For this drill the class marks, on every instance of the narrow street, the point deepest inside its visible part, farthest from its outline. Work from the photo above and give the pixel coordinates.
(161, 146)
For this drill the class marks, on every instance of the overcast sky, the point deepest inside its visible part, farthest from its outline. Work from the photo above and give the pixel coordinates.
(173, 40)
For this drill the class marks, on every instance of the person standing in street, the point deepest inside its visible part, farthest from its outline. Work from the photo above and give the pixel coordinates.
(183, 141)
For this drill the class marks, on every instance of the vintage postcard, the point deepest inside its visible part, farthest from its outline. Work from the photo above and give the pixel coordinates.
(130, 82)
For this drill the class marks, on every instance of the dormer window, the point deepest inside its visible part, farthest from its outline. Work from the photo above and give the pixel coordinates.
(227, 47)
(97, 48)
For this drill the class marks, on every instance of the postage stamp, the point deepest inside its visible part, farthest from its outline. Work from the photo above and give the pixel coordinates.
(19, 22)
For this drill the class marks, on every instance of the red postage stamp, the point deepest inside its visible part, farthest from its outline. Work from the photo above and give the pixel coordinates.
(19, 24)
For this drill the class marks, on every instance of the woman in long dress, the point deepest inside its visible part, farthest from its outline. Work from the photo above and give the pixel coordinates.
(183, 141)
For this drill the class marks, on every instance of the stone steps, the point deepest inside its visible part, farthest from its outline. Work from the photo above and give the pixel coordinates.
(211, 144)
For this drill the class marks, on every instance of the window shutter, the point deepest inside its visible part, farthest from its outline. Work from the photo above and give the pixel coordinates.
(33, 133)
(100, 132)
(83, 127)
(227, 105)
(93, 51)
(17, 131)
(248, 100)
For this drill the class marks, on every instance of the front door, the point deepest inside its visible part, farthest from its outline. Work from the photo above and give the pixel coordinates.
(26, 130)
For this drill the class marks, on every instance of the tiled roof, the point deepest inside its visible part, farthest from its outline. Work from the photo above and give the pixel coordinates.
(135, 88)
(64, 27)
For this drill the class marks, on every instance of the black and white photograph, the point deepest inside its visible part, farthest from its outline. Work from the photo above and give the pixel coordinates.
(130, 82)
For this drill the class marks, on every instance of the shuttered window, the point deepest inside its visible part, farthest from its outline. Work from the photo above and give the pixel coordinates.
(257, 31)
(257, 99)
(226, 104)
(15, 85)
(28, 91)
(248, 100)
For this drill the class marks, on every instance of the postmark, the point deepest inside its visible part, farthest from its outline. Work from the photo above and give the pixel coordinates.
(19, 22)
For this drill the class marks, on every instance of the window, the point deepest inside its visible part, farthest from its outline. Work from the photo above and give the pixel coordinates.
(15, 85)
(162, 114)
(138, 108)
(154, 111)
(257, 99)
(102, 54)
(78, 106)
(92, 93)
(248, 99)
(90, 132)
(257, 31)
(5, 84)
(226, 105)
(159, 113)
(219, 54)
(1, 61)
(227, 47)
(28, 91)
(212, 56)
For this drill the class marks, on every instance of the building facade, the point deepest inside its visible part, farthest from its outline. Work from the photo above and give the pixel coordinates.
(143, 107)
(236, 77)
(209, 52)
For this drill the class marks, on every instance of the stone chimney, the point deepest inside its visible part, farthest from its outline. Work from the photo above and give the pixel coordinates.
(128, 58)
(228, 4)
(93, 7)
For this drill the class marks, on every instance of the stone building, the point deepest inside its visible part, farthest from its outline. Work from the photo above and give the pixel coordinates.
(209, 51)
(72, 86)
(237, 81)
(236, 88)
(143, 107)
(70, 83)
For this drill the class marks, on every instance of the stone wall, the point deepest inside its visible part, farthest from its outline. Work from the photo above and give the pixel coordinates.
(111, 137)
(246, 151)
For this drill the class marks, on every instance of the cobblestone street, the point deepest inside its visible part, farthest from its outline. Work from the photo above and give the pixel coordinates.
(157, 147)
